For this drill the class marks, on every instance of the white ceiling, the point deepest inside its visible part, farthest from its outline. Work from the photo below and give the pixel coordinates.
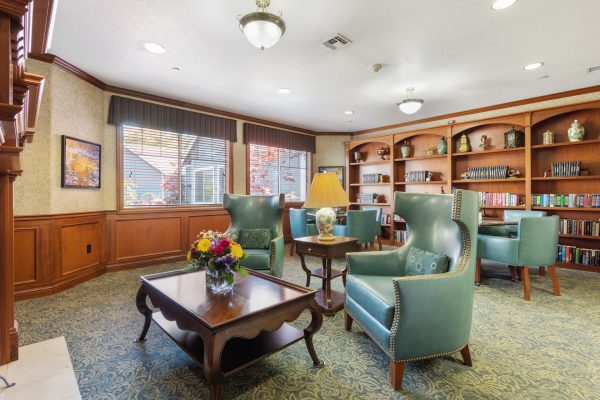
(458, 54)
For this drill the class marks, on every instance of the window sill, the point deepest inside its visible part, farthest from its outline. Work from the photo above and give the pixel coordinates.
(167, 209)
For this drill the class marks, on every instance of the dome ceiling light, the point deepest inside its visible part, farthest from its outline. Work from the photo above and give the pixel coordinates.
(410, 105)
(262, 29)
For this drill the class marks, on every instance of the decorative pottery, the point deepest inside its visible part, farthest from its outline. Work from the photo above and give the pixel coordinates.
(357, 156)
(463, 145)
(216, 280)
(576, 132)
(405, 149)
(442, 146)
(514, 139)
(483, 142)
(382, 152)
(548, 137)
(325, 219)
(513, 173)
(465, 175)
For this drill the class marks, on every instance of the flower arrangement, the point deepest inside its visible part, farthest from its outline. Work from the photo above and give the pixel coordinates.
(220, 254)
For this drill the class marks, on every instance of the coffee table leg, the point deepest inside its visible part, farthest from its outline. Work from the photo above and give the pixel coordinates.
(142, 307)
(310, 330)
(212, 363)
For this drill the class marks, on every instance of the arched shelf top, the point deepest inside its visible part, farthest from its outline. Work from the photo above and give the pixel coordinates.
(379, 140)
(538, 117)
(508, 122)
(437, 132)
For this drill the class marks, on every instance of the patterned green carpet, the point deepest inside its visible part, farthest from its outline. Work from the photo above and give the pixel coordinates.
(546, 348)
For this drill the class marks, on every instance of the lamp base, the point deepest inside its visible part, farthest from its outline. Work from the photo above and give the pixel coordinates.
(325, 219)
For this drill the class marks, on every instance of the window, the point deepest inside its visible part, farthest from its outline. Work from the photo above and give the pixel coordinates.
(171, 169)
(275, 170)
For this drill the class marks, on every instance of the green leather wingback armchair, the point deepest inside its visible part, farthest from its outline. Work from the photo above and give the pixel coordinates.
(534, 244)
(360, 224)
(418, 317)
(258, 212)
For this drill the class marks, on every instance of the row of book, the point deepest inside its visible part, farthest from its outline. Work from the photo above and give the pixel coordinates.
(501, 199)
(566, 200)
(400, 236)
(566, 168)
(575, 255)
(386, 218)
(579, 227)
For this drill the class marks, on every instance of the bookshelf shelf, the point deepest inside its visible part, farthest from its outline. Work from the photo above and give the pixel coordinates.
(488, 180)
(486, 152)
(371, 184)
(547, 146)
(420, 158)
(578, 267)
(374, 162)
(565, 178)
(567, 208)
(587, 237)
(422, 183)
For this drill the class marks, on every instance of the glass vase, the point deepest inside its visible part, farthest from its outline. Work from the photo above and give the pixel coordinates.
(216, 280)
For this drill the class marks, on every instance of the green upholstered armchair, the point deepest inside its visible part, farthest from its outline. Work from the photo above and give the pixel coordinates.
(258, 212)
(377, 221)
(300, 227)
(418, 317)
(534, 244)
(360, 224)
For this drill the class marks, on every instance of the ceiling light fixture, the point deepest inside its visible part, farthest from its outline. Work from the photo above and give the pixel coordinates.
(410, 105)
(349, 112)
(502, 4)
(532, 66)
(262, 29)
(154, 48)
(284, 91)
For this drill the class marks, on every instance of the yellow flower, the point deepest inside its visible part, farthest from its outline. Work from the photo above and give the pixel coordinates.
(189, 255)
(237, 251)
(203, 244)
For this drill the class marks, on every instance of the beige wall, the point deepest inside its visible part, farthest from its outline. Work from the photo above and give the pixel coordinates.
(73, 107)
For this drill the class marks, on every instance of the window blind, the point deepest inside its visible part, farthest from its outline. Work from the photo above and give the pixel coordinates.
(170, 169)
(275, 170)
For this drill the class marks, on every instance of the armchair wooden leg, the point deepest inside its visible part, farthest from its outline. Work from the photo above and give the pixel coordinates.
(347, 321)
(513, 273)
(478, 271)
(466, 355)
(379, 242)
(555, 284)
(542, 271)
(526, 287)
(292, 248)
(396, 374)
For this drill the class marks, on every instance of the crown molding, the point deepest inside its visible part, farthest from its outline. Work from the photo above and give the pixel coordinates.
(81, 74)
(516, 103)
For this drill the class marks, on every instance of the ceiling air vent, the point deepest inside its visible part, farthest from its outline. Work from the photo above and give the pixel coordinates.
(594, 69)
(337, 41)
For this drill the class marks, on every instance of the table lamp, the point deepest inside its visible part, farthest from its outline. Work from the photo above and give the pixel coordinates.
(326, 191)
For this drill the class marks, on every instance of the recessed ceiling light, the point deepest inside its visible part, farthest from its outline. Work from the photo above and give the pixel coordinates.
(176, 68)
(284, 91)
(532, 66)
(544, 76)
(154, 48)
(349, 112)
(502, 4)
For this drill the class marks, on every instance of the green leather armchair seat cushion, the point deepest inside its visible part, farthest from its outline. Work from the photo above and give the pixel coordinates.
(423, 262)
(255, 238)
(375, 294)
(504, 250)
(257, 259)
(372, 326)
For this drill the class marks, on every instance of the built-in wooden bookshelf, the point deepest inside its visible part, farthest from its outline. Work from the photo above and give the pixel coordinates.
(531, 160)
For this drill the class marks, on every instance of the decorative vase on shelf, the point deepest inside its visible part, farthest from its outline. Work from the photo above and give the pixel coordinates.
(442, 146)
(464, 146)
(576, 132)
(405, 149)
(548, 137)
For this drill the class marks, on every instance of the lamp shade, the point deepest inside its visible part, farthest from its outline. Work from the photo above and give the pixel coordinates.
(326, 191)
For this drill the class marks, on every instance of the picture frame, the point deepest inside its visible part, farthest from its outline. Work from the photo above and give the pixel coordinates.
(338, 170)
(81, 164)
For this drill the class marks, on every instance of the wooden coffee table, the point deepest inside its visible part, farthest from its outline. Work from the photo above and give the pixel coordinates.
(331, 301)
(228, 331)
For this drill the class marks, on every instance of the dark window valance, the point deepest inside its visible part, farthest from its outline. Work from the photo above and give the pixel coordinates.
(263, 135)
(126, 111)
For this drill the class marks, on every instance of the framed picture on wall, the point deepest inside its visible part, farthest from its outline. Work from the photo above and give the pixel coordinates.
(80, 166)
(339, 171)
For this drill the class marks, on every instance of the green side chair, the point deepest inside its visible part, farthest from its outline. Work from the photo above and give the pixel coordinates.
(412, 315)
(300, 226)
(377, 221)
(532, 243)
(253, 217)
(360, 224)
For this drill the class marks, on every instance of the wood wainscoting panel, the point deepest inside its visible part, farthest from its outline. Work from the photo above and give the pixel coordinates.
(26, 253)
(197, 223)
(147, 237)
(80, 247)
